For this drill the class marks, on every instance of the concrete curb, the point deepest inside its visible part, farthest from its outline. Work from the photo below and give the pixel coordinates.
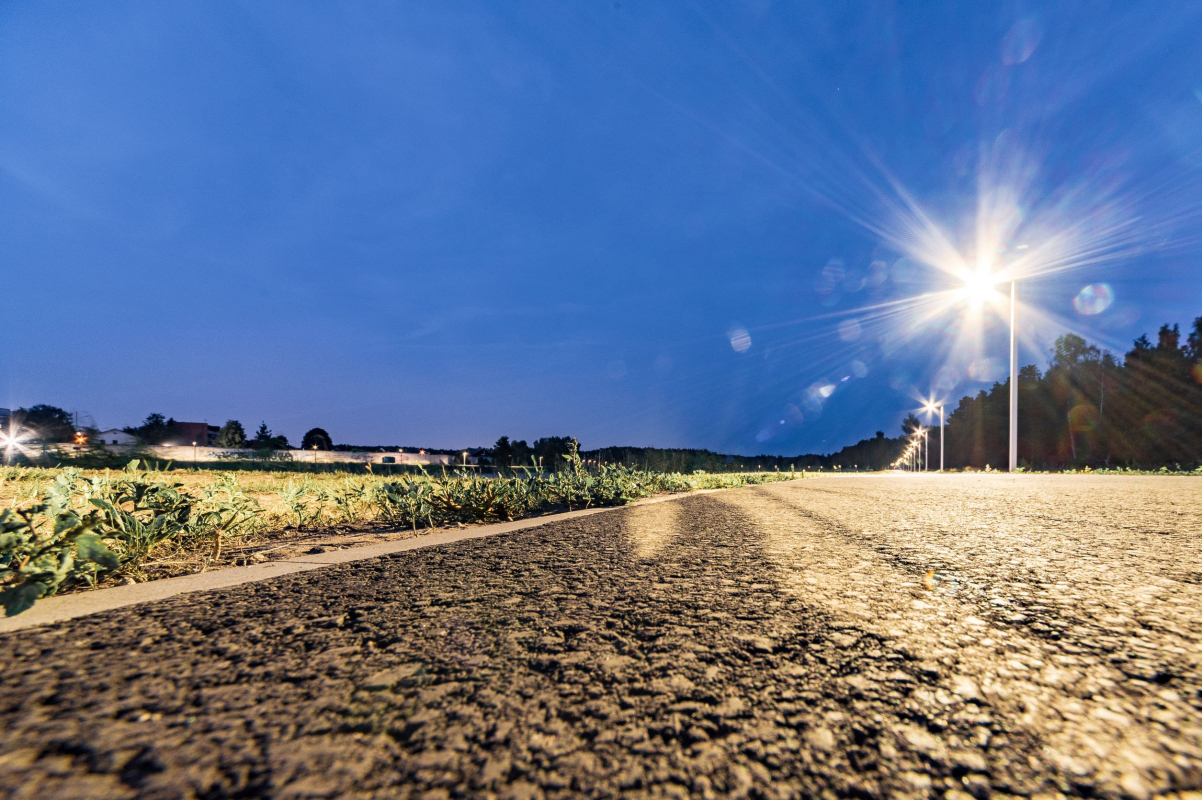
(80, 604)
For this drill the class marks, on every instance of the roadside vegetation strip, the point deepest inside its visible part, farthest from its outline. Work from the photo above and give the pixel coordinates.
(70, 605)
(72, 531)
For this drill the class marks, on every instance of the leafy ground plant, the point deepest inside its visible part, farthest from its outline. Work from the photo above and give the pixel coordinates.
(41, 550)
(68, 529)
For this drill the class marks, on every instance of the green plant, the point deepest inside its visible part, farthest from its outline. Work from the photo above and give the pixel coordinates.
(294, 495)
(225, 508)
(79, 529)
(42, 549)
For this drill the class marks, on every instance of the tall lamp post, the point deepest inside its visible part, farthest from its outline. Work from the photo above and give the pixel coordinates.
(1013, 377)
(930, 408)
(979, 286)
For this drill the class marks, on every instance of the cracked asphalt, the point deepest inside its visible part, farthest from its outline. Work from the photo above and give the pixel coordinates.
(951, 636)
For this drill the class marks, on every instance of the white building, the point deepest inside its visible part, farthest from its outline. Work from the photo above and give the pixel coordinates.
(115, 436)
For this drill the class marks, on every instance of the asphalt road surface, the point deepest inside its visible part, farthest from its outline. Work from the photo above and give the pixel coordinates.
(965, 636)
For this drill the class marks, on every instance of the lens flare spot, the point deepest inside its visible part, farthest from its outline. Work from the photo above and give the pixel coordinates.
(1093, 299)
(945, 380)
(849, 330)
(854, 282)
(830, 277)
(858, 369)
(740, 340)
(985, 369)
(1082, 418)
(1020, 42)
(904, 271)
(1197, 372)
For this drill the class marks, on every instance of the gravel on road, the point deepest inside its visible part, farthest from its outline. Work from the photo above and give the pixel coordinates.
(954, 636)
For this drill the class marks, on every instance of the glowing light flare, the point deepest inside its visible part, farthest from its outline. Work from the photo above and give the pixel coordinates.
(10, 443)
(979, 286)
(740, 340)
(1093, 299)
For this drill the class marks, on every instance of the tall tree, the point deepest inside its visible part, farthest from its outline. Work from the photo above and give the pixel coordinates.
(550, 450)
(910, 424)
(265, 440)
(316, 439)
(43, 423)
(231, 435)
(1194, 347)
(1091, 408)
(502, 452)
(153, 430)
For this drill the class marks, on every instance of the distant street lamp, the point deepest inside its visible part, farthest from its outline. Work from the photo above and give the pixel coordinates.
(194, 452)
(314, 453)
(465, 458)
(12, 440)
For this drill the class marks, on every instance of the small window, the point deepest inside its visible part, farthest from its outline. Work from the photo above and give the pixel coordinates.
(388, 460)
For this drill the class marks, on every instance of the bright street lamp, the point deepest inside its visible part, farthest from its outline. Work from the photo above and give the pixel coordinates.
(11, 442)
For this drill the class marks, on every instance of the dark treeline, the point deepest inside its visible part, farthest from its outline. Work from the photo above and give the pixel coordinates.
(869, 454)
(1091, 409)
(875, 453)
(660, 459)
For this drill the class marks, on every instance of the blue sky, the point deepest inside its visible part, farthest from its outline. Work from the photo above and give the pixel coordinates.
(438, 223)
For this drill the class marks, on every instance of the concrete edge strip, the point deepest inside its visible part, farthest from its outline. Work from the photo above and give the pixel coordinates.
(80, 604)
